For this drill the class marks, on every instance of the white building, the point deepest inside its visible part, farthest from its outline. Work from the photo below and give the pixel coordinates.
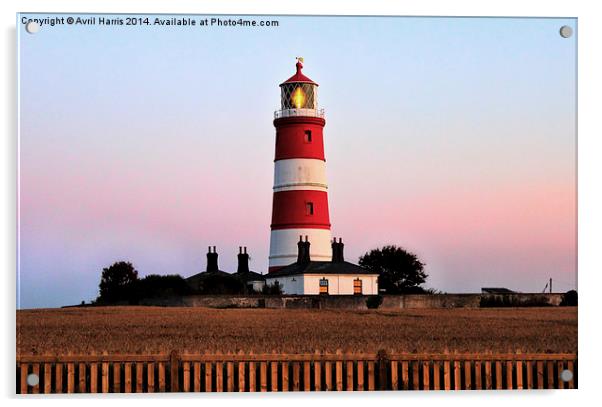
(336, 277)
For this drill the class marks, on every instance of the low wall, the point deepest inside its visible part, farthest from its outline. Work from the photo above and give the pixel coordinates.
(359, 302)
(431, 301)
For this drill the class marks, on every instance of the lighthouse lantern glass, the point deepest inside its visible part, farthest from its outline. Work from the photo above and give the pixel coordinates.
(296, 95)
(298, 98)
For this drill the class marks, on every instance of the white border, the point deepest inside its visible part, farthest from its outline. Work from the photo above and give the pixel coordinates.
(590, 168)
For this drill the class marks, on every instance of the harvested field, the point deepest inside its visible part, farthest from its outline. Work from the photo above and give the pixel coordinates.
(155, 330)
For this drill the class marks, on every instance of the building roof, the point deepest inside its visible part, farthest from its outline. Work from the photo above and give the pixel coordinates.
(205, 274)
(298, 77)
(320, 267)
(250, 276)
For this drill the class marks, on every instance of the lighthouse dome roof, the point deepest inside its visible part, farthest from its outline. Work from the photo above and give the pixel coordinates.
(298, 77)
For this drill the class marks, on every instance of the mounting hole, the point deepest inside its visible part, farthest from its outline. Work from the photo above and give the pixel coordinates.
(566, 31)
(566, 375)
(32, 27)
(33, 379)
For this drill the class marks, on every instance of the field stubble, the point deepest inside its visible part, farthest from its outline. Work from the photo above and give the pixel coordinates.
(158, 330)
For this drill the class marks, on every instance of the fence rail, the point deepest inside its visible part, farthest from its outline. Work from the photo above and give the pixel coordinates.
(248, 372)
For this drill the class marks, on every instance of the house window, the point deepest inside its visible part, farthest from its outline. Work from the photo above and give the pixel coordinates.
(357, 286)
(308, 136)
(323, 286)
(309, 208)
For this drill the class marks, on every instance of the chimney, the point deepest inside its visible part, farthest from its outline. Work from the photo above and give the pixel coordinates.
(212, 260)
(337, 250)
(300, 249)
(303, 250)
(243, 261)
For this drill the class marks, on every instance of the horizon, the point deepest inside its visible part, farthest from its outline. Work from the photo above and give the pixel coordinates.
(454, 138)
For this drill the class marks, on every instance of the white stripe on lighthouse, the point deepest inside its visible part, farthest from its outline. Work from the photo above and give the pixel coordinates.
(300, 174)
(283, 240)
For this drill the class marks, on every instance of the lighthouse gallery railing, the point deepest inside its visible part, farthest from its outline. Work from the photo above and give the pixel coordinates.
(298, 112)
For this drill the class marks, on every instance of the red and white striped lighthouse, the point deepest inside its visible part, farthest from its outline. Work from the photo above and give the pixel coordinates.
(300, 204)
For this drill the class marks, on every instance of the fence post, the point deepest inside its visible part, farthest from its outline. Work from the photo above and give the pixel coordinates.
(383, 363)
(174, 362)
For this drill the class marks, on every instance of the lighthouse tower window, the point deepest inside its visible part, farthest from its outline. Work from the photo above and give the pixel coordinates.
(309, 208)
(308, 136)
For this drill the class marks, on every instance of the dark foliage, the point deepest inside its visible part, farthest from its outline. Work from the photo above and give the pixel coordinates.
(400, 272)
(509, 300)
(272, 289)
(120, 285)
(569, 299)
(156, 286)
(221, 284)
(116, 281)
(374, 301)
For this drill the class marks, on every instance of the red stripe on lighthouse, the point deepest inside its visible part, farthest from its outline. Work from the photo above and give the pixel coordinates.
(300, 209)
(299, 137)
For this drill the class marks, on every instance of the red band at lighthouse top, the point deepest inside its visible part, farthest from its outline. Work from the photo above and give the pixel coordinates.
(298, 77)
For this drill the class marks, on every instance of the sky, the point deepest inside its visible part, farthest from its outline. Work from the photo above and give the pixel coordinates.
(454, 138)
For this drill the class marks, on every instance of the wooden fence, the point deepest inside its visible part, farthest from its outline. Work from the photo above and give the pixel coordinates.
(292, 372)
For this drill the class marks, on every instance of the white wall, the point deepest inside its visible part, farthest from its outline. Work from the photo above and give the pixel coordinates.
(338, 284)
(289, 284)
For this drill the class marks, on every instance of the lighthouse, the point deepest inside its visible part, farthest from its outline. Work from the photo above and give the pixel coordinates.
(300, 201)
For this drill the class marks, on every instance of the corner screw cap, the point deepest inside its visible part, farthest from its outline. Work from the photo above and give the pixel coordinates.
(566, 31)
(32, 27)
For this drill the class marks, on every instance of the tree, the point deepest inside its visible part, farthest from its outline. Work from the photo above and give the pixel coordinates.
(569, 299)
(400, 272)
(116, 281)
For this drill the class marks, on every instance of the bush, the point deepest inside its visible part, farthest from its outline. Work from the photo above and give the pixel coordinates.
(374, 301)
(509, 300)
(272, 289)
(120, 285)
(569, 299)
(221, 284)
(156, 286)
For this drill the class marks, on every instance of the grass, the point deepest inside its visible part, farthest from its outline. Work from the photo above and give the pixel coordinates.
(156, 329)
